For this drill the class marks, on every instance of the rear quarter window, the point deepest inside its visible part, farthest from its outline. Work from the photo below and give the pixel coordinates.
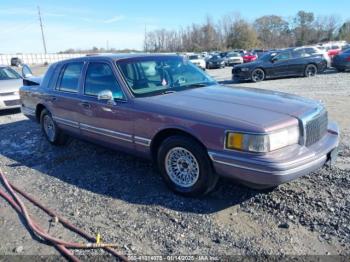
(49, 75)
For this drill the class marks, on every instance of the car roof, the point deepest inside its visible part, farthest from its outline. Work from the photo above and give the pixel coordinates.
(118, 56)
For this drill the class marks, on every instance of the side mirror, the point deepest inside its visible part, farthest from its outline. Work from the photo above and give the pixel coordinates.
(26, 71)
(106, 95)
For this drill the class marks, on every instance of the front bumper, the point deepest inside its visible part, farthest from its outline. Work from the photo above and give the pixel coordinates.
(242, 75)
(10, 101)
(277, 167)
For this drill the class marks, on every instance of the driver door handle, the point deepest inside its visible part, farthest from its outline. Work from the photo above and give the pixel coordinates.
(86, 105)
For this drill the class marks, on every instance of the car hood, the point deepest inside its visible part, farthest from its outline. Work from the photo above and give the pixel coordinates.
(196, 60)
(10, 85)
(226, 105)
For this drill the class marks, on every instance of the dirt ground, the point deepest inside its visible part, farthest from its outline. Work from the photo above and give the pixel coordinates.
(124, 199)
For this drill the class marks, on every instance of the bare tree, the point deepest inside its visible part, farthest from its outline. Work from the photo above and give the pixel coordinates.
(273, 31)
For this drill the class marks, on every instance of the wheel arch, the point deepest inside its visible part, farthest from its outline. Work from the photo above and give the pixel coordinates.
(168, 132)
(38, 110)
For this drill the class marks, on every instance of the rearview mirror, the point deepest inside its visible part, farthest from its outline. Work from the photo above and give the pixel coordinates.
(26, 71)
(106, 95)
(274, 59)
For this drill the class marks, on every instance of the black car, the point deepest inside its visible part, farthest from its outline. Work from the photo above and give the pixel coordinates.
(216, 61)
(342, 61)
(279, 64)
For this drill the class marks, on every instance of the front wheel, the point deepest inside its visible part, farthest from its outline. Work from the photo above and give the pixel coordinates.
(186, 167)
(52, 133)
(310, 70)
(258, 75)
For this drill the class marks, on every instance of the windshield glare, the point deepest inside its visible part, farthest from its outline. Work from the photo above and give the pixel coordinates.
(8, 74)
(149, 76)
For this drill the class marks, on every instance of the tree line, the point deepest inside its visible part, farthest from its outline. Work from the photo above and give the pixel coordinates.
(234, 32)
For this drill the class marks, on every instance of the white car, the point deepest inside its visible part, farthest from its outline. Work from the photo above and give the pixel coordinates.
(234, 58)
(314, 50)
(10, 82)
(198, 61)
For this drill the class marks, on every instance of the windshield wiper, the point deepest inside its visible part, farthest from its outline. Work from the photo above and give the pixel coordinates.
(200, 84)
(168, 92)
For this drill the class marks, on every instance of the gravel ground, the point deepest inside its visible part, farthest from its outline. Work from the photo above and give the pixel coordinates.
(123, 198)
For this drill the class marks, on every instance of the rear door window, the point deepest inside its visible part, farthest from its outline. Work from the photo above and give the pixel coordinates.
(69, 77)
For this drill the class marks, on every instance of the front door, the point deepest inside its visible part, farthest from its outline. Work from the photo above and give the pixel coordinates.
(281, 64)
(109, 122)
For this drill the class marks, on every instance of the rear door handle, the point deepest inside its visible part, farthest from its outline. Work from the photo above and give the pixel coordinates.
(51, 98)
(86, 105)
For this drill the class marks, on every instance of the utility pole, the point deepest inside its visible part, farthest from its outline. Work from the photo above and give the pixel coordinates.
(42, 30)
(145, 44)
(107, 46)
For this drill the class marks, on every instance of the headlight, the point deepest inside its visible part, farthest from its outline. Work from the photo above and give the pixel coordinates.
(262, 142)
(244, 69)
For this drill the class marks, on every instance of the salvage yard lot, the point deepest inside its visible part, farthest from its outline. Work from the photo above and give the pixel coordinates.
(123, 198)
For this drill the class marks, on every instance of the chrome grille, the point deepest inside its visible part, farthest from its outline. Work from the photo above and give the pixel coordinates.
(316, 128)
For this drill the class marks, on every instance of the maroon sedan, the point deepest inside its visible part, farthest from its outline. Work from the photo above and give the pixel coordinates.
(164, 108)
(249, 57)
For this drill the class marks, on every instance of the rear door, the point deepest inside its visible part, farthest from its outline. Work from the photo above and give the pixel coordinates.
(63, 100)
(109, 122)
(298, 62)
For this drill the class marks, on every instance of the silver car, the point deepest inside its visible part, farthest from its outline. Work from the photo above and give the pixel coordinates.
(10, 82)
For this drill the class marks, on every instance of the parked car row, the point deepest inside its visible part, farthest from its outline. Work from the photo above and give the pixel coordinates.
(300, 61)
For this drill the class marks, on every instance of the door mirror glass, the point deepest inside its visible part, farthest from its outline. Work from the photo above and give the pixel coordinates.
(26, 71)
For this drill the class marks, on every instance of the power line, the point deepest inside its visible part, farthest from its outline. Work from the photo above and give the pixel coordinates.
(42, 30)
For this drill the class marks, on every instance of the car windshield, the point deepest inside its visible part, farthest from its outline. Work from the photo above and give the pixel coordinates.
(7, 73)
(149, 76)
(193, 57)
(216, 57)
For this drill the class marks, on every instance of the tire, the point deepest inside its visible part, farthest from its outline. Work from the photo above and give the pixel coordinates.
(181, 153)
(310, 70)
(52, 133)
(340, 69)
(258, 75)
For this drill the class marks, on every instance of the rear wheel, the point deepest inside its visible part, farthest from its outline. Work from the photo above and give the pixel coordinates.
(52, 133)
(310, 70)
(186, 167)
(258, 75)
